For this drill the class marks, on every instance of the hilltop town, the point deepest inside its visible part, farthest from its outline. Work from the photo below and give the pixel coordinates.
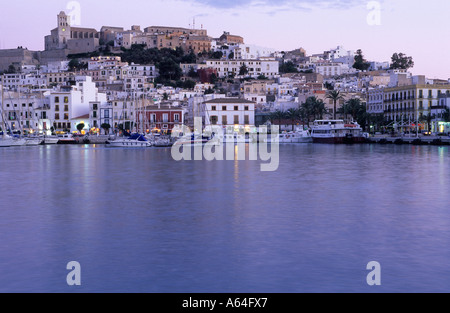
(104, 78)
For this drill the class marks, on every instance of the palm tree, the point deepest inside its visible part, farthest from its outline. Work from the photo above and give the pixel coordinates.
(319, 108)
(335, 95)
(308, 109)
(352, 106)
(293, 114)
(280, 116)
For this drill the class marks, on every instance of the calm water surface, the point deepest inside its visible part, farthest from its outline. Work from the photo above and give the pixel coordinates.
(137, 221)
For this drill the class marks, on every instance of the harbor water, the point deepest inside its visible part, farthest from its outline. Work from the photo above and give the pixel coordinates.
(138, 221)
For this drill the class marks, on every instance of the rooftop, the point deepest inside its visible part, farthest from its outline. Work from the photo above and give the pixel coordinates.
(229, 100)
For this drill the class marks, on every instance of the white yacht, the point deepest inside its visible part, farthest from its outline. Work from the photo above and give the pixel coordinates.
(15, 141)
(298, 136)
(337, 131)
(66, 139)
(135, 141)
(232, 137)
(33, 141)
(50, 140)
(5, 141)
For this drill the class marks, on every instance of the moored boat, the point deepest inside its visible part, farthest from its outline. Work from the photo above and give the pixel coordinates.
(298, 136)
(337, 132)
(66, 139)
(134, 141)
(33, 141)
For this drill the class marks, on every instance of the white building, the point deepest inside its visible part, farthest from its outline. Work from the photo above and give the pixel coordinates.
(268, 67)
(71, 102)
(252, 52)
(375, 103)
(230, 112)
(333, 69)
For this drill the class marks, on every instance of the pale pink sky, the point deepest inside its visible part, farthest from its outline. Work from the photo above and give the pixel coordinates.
(417, 28)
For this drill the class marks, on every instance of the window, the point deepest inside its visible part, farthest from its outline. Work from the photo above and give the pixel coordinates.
(177, 117)
(56, 116)
(165, 118)
(56, 107)
(106, 114)
(236, 108)
(66, 108)
(56, 99)
(236, 119)
(66, 116)
(246, 107)
(213, 108)
(224, 120)
(214, 120)
(246, 120)
(224, 108)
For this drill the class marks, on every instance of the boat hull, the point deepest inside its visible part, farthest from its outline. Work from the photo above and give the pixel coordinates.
(339, 140)
(67, 142)
(129, 144)
(50, 141)
(34, 142)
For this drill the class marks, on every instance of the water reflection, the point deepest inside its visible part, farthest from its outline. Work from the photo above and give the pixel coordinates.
(138, 221)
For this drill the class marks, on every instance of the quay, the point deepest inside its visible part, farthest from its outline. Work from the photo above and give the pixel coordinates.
(414, 140)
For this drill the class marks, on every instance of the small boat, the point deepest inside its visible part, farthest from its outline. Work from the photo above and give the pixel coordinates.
(194, 141)
(50, 140)
(66, 139)
(233, 138)
(298, 136)
(161, 142)
(33, 141)
(5, 142)
(16, 141)
(134, 141)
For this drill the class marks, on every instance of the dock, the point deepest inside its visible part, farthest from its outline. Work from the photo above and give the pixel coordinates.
(414, 140)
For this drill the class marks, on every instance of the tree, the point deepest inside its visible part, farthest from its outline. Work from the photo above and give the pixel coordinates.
(193, 73)
(328, 86)
(209, 91)
(11, 69)
(76, 65)
(360, 63)
(262, 77)
(288, 67)
(313, 109)
(189, 84)
(293, 114)
(80, 127)
(335, 96)
(446, 115)
(169, 69)
(165, 96)
(217, 55)
(278, 115)
(427, 119)
(357, 110)
(401, 61)
(243, 70)
(106, 127)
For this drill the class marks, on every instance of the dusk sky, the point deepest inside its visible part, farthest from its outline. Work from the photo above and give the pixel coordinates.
(417, 28)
